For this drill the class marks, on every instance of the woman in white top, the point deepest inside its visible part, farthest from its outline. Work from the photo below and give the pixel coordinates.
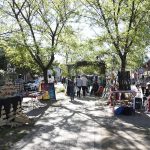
(50, 79)
(138, 91)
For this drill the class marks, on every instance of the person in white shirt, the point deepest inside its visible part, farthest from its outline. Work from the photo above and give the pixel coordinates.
(50, 79)
(134, 88)
(79, 85)
(84, 84)
(138, 91)
(138, 100)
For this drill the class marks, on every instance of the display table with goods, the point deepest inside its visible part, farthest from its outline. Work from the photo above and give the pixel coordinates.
(122, 101)
(10, 105)
(35, 96)
(122, 98)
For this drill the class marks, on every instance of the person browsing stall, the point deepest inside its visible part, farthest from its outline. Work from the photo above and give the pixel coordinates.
(79, 85)
(84, 84)
(95, 87)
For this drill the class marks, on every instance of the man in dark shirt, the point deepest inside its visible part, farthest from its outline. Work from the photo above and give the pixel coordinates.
(94, 87)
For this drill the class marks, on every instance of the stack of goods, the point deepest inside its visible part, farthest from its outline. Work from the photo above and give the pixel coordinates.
(124, 110)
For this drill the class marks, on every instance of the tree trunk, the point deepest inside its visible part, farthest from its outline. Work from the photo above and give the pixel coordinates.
(69, 70)
(45, 75)
(123, 63)
(123, 75)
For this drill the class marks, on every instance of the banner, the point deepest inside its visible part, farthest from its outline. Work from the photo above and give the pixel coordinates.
(49, 91)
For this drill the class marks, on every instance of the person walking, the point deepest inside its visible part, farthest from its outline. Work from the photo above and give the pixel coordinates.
(143, 85)
(68, 87)
(71, 89)
(79, 85)
(84, 85)
(94, 87)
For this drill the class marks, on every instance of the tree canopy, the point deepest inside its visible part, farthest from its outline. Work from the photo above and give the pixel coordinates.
(40, 29)
(39, 25)
(123, 22)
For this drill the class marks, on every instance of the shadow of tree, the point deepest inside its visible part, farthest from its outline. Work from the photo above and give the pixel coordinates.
(88, 98)
(76, 102)
(114, 129)
(67, 121)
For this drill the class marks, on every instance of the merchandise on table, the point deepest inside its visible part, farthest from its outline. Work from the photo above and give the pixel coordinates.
(8, 90)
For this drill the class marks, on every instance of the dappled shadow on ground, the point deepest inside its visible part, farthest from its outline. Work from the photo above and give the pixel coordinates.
(34, 110)
(76, 102)
(78, 125)
(137, 120)
(38, 111)
(88, 98)
(8, 136)
(118, 135)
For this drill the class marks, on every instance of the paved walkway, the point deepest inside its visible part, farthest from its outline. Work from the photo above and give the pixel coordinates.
(86, 124)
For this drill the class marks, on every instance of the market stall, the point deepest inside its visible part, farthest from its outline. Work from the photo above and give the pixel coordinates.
(35, 96)
(124, 102)
(10, 105)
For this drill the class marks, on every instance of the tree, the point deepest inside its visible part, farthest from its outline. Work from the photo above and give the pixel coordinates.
(123, 20)
(69, 44)
(3, 60)
(40, 23)
(19, 56)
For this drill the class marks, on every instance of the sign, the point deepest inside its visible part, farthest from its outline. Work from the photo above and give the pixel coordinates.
(44, 86)
(50, 90)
